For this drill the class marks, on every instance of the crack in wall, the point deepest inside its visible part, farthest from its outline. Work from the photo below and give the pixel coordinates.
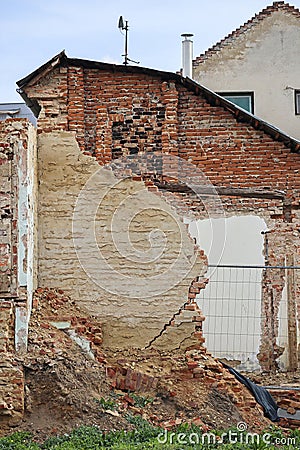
(195, 316)
(165, 327)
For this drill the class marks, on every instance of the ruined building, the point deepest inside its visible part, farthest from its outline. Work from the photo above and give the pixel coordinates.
(94, 201)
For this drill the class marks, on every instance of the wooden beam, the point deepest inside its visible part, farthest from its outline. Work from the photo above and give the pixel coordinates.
(221, 190)
(292, 315)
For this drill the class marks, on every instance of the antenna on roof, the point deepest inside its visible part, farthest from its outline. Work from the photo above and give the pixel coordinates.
(125, 27)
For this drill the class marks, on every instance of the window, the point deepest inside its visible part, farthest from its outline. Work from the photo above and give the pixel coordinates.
(297, 102)
(244, 100)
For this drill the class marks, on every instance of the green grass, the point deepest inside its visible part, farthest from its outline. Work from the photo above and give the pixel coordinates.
(141, 401)
(18, 441)
(146, 436)
(107, 404)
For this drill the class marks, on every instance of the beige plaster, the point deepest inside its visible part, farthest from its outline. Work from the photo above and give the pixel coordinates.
(138, 237)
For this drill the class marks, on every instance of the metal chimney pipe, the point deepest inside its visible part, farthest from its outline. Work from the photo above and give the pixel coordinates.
(187, 55)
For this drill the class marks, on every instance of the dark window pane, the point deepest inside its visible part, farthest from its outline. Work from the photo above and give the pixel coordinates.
(242, 101)
(297, 102)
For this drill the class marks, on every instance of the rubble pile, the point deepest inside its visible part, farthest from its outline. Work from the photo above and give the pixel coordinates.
(70, 379)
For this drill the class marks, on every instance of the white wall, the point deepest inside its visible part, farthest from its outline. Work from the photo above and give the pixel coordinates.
(231, 301)
(264, 60)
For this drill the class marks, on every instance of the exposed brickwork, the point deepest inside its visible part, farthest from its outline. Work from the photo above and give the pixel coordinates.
(156, 373)
(289, 400)
(122, 113)
(14, 144)
(54, 306)
(181, 369)
(7, 320)
(12, 391)
(53, 114)
(127, 379)
(231, 153)
(148, 371)
(8, 231)
(115, 112)
(129, 373)
(187, 323)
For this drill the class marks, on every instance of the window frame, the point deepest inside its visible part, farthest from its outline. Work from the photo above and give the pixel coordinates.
(297, 102)
(249, 94)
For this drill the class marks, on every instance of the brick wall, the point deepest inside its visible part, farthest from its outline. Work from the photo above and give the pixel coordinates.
(122, 113)
(8, 248)
(115, 112)
(16, 145)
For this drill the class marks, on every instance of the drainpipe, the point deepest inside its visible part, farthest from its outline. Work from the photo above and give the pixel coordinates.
(187, 55)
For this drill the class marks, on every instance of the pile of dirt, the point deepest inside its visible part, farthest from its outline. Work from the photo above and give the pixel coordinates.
(67, 382)
(72, 390)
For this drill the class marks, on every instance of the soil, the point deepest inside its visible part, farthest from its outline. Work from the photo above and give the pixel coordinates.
(66, 393)
(67, 387)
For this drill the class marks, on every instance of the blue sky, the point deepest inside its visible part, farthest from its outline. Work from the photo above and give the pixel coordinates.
(32, 31)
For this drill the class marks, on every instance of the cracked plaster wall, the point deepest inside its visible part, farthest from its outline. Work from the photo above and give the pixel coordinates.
(63, 171)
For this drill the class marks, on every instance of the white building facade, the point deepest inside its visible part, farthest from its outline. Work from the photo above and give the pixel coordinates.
(257, 67)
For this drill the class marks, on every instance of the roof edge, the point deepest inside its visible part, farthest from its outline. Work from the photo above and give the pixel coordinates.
(40, 71)
(244, 116)
(213, 98)
(63, 59)
(258, 17)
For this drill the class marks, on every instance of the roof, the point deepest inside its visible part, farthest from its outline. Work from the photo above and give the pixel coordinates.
(243, 29)
(214, 99)
(17, 110)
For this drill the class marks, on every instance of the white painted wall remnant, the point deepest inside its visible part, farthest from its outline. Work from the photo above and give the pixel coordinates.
(21, 328)
(22, 214)
(231, 301)
(62, 325)
(265, 61)
(233, 240)
(32, 217)
(27, 224)
(83, 343)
